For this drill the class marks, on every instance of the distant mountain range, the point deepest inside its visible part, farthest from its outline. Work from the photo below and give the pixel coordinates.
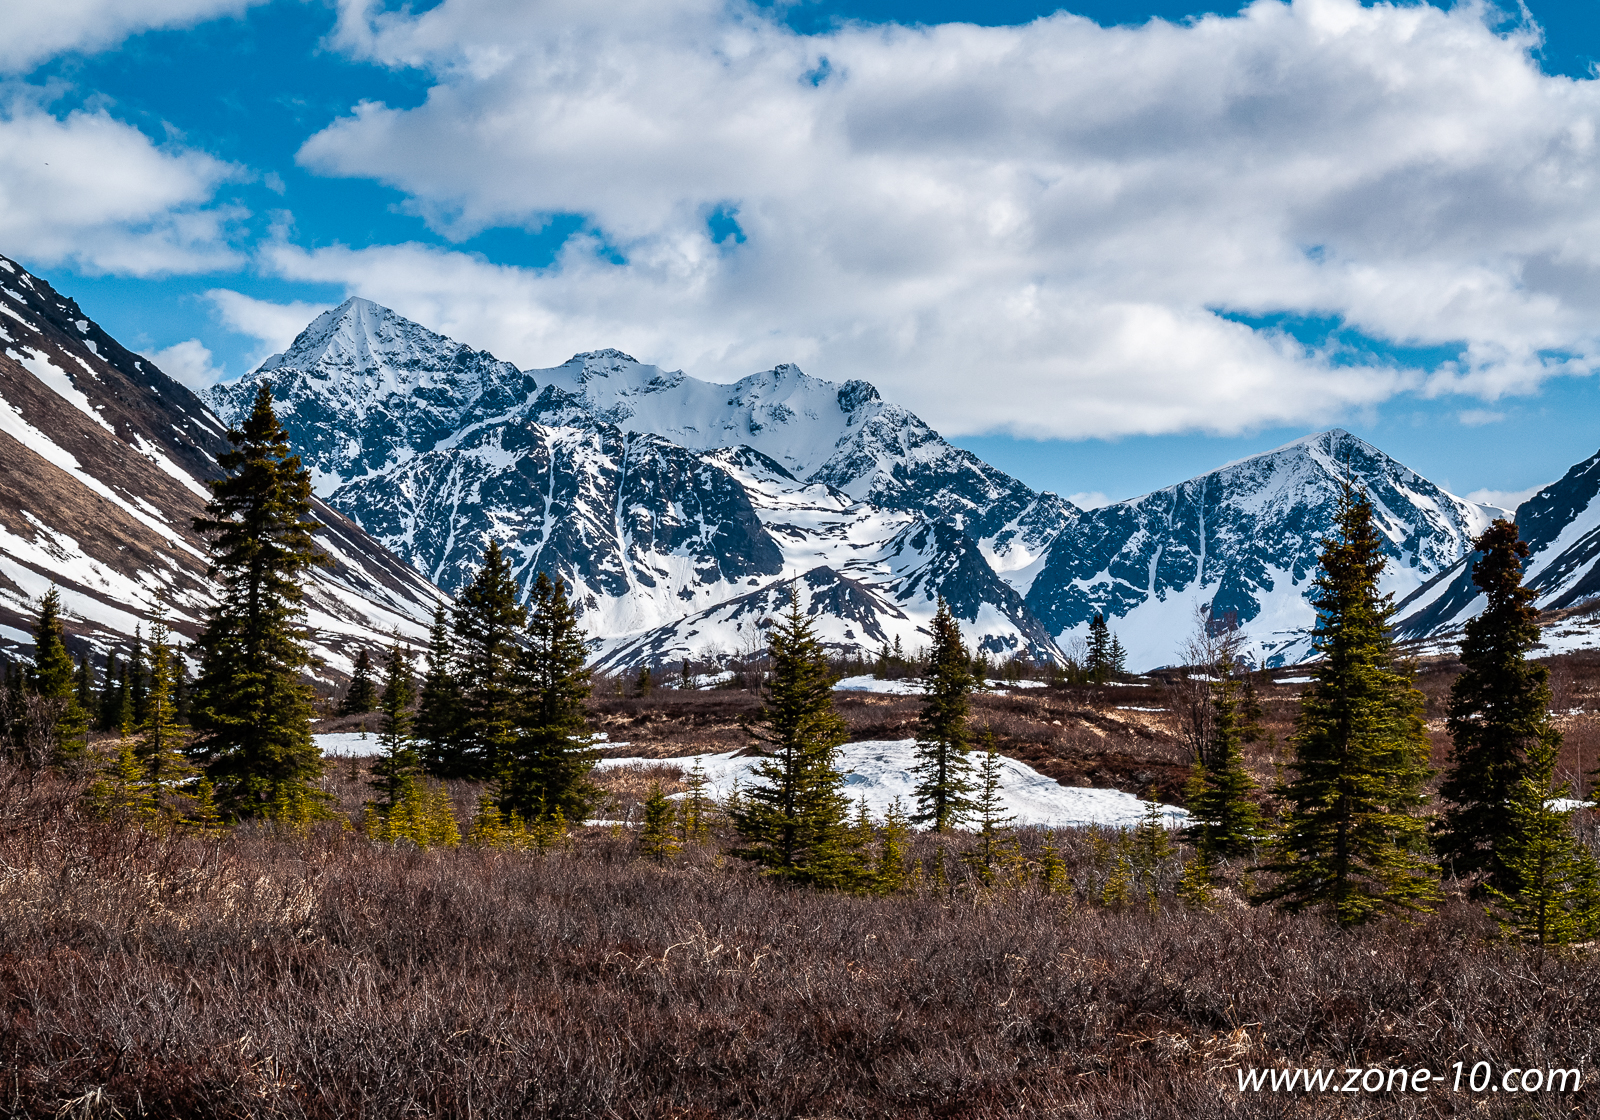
(683, 512)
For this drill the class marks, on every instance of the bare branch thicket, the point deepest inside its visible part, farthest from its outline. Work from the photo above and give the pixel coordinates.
(1205, 654)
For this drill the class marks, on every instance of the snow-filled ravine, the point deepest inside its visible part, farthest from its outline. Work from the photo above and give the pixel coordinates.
(879, 770)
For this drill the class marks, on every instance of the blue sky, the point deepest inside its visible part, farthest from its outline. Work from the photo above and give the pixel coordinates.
(1103, 256)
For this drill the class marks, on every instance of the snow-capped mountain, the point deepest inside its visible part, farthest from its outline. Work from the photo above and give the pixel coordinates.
(362, 389)
(1561, 524)
(653, 493)
(1242, 543)
(103, 464)
(844, 435)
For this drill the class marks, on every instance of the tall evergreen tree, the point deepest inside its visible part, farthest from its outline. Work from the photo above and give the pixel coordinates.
(794, 818)
(943, 771)
(110, 702)
(1353, 840)
(547, 764)
(138, 683)
(439, 707)
(55, 681)
(1100, 663)
(251, 708)
(362, 695)
(1226, 820)
(1499, 713)
(160, 742)
(397, 770)
(488, 626)
(1546, 882)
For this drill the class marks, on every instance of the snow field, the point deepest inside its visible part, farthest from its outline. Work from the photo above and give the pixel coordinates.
(878, 771)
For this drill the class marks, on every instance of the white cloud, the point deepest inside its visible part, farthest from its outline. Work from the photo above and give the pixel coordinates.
(1057, 211)
(93, 191)
(188, 362)
(1478, 417)
(1089, 499)
(35, 31)
(274, 324)
(1505, 499)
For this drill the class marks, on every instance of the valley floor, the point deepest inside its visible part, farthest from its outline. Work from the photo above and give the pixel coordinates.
(260, 974)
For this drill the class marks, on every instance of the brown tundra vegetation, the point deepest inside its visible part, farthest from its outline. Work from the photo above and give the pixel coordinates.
(263, 974)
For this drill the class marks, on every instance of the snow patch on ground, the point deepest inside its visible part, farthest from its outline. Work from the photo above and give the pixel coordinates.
(346, 743)
(879, 771)
(873, 684)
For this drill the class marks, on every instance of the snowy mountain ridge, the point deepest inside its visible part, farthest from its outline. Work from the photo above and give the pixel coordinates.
(104, 462)
(1240, 543)
(682, 511)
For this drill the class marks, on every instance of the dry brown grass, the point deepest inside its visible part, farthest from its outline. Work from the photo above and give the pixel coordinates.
(264, 975)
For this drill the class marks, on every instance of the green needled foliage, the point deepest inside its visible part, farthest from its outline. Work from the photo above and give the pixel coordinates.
(1498, 714)
(251, 708)
(398, 769)
(944, 773)
(1227, 822)
(1547, 884)
(793, 820)
(546, 766)
(994, 823)
(55, 680)
(362, 695)
(439, 711)
(488, 628)
(161, 742)
(656, 841)
(1353, 841)
(1105, 658)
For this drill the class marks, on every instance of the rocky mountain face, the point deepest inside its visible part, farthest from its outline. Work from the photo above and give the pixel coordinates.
(681, 511)
(657, 496)
(1561, 524)
(1240, 544)
(103, 465)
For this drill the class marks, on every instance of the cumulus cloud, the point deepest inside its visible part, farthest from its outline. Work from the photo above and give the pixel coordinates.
(36, 31)
(189, 362)
(90, 190)
(1066, 213)
(1089, 499)
(274, 324)
(1505, 499)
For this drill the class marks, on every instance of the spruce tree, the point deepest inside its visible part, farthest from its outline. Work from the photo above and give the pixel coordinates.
(943, 771)
(1497, 716)
(138, 683)
(362, 695)
(396, 773)
(488, 627)
(251, 707)
(160, 745)
(1547, 883)
(989, 807)
(1226, 821)
(792, 819)
(1100, 662)
(439, 707)
(656, 841)
(55, 681)
(1353, 840)
(109, 712)
(548, 760)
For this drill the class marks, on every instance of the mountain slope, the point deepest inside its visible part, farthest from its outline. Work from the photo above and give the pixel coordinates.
(1561, 525)
(103, 464)
(651, 492)
(1241, 542)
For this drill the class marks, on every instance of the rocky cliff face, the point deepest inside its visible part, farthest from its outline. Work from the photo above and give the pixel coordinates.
(655, 495)
(103, 465)
(1561, 524)
(1241, 543)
